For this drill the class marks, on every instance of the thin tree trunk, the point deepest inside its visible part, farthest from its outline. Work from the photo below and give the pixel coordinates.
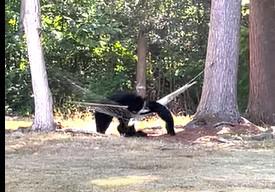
(219, 93)
(141, 64)
(43, 120)
(261, 102)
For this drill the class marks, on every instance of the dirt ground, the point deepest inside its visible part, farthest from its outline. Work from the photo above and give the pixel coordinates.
(71, 162)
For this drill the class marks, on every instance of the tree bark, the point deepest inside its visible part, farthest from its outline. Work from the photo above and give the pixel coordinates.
(141, 64)
(43, 120)
(219, 93)
(261, 102)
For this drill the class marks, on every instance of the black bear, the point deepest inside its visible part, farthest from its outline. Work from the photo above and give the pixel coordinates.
(135, 104)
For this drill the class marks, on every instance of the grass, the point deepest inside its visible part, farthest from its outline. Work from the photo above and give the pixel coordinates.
(67, 163)
(14, 124)
(122, 181)
(87, 122)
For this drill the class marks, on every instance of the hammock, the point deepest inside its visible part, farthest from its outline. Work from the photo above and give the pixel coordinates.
(121, 111)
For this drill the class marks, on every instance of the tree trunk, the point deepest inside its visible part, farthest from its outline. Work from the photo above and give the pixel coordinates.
(43, 120)
(219, 93)
(141, 64)
(261, 102)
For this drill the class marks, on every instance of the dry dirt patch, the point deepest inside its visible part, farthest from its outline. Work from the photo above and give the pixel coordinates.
(65, 162)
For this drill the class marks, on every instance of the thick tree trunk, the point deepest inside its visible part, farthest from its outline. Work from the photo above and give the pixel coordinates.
(43, 120)
(141, 64)
(219, 93)
(261, 103)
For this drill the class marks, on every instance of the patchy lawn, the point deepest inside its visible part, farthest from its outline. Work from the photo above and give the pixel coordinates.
(72, 162)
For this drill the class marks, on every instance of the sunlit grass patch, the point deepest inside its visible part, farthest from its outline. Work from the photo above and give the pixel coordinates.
(182, 120)
(88, 123)
(123, 181)
(75, 123)
(158, 122)
(14, 124)
(71, 122)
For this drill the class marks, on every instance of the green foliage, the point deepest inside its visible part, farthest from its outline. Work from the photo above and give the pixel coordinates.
(18, 95)
(118, 72)
(243, 76)
(93, 43)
